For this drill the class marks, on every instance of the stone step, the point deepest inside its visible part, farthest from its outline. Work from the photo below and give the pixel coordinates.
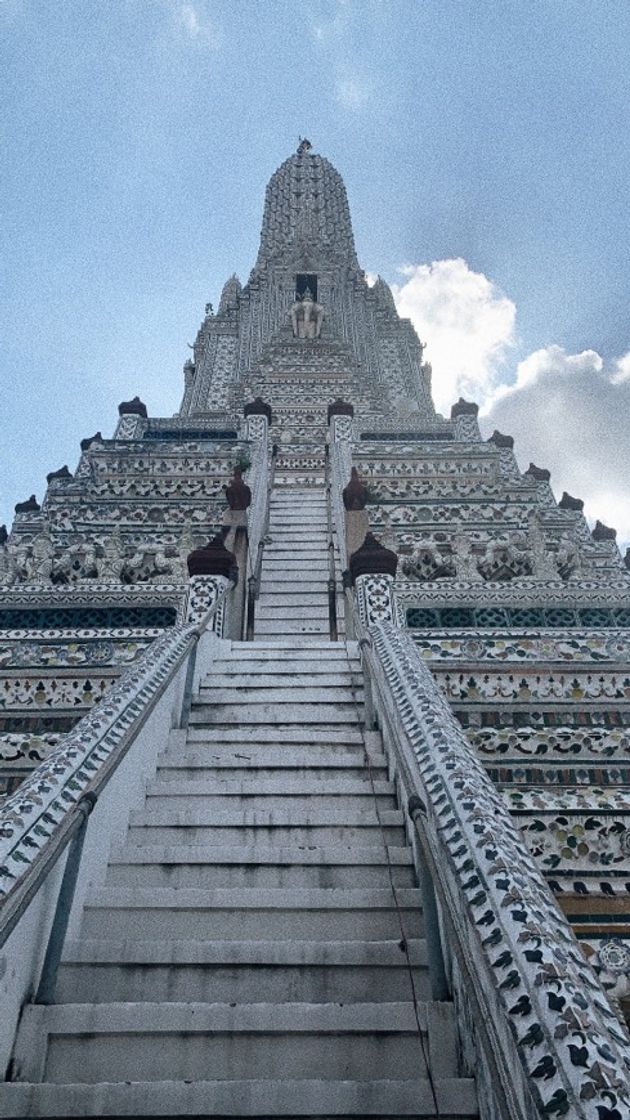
(284, 583)
(321, 914)
(257, 676)
(292, 647)
(291, 538)
(306, 566)
(261, 818)
(288, 629)
(279, 693)
(232, 757)
(335, 736)
(86, 1042)
(305, 868)
(280, 784)
(279, 661)
(294, 597)
(314, 526)
(390, 1099)
(101, 971)
(305, 551)
(278, 712)
(178, 770)
(291, 612)
(163, 793)
(263, 836)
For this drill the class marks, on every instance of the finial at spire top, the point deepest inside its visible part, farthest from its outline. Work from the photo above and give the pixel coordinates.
(304, 146)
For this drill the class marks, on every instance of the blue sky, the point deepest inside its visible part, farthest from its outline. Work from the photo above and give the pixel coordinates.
(485, 147)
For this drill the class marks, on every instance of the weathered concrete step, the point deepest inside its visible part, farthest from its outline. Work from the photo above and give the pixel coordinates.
(292, 615)
(293, 647)
(253, 678)
(269, 611)
(256, 758)
(98, 971)
(324, 914)
(323, 670)
(350, 954)
(296, 540)
(277, 712)
(279, 785)
(264, 836)
(307, 567)
(180, 770)
(388, 1099)
(413, 1099)
(278, 694)
(164, 795)
(87, 1041)
(289, 600)
(284, 582)
(320, 856)
(260, 818)
(161, 866)
(201, 731)
(306, 551)
(296, 597)
(311, 528)
(289, 629)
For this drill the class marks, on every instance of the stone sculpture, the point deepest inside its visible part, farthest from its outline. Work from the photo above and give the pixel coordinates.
(306, 317)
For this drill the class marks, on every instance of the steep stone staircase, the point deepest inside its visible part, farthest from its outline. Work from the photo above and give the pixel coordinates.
(257, 947)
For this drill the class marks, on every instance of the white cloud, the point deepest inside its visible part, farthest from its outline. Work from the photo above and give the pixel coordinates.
(195, 23)
(351, 92)
(569, 413)
(621, 371)
(465, 320)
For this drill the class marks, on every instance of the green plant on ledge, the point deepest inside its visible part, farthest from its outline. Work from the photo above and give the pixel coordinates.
(242, 462)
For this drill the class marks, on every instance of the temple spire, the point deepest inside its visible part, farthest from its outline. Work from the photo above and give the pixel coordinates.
(306, 197)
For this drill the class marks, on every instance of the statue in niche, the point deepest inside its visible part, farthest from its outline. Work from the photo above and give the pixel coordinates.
(306, 317)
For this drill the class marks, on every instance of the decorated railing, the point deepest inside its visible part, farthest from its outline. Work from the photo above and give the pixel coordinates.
(101, 765)
(547, 1041)
(340, 455)
(262, 475)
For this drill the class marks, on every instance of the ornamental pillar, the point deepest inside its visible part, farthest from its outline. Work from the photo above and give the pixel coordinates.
(372, 571)
(211, 569)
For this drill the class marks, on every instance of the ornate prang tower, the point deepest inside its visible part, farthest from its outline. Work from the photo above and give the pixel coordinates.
(353, 662)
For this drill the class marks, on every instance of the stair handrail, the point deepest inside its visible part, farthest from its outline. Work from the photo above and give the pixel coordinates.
(39, 820)
(258, 532)
(551, 1043)
(340, 458)
(257, 514)
(333, 627)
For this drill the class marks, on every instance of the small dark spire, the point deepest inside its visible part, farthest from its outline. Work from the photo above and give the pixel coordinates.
(214, 559)
(304, 146)
(4, 536)
(257, 407)
(499, 440)
(539, 474)
(568, 502)
(464, 408)
(85, 443)
(238, 493)
(372, 558)
(603, 532)
(355, 494)
(340, 408)
(30, 506)
(136, 407)
(63, 472)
